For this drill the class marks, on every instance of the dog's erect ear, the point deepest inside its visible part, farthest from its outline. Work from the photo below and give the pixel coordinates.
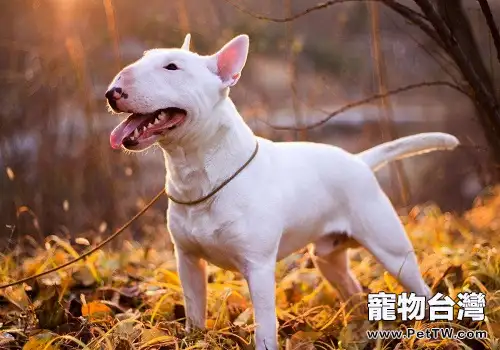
(187, 41)
(229, 61)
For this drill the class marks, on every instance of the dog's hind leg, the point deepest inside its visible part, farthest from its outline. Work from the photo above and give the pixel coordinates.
(334, 266)
(376, 226)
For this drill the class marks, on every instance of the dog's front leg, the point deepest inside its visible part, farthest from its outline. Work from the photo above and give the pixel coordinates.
(261, 283)
(192, 273)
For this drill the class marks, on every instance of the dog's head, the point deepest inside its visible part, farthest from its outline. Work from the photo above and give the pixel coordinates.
(171, 93)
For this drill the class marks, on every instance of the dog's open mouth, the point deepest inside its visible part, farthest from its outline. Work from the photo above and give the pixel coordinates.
(145, 129)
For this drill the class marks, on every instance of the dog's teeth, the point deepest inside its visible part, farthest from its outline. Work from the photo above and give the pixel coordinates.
(132, 138)
(161, 116)
(136, 133)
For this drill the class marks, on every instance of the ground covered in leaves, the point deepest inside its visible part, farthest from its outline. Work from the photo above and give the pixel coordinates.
(130, 298)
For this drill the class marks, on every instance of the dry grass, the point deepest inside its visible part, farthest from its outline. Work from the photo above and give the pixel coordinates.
(131, 298)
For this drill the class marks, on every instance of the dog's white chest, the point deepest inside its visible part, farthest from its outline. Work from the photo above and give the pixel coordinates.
(207, 234)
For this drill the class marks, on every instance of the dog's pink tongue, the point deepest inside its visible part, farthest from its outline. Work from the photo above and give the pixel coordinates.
(124, 129)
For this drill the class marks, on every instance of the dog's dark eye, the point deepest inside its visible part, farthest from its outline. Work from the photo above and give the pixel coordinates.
(171, 66)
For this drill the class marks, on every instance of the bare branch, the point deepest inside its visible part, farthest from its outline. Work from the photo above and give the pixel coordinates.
(406, 9)
(413, 16)
(369, 100)
(314, 8)
(447, 27)
(488, 16)
(416, 18)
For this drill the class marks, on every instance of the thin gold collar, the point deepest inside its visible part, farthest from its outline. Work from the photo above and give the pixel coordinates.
(221, 186)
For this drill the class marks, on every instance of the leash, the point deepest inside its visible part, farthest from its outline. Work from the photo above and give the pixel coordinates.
(135, 217)
(84, 255)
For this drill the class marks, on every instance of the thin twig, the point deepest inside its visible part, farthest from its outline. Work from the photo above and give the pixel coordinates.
(84, 255)
(366, 101)
(413, 16)
(307, 11)
(488, 16)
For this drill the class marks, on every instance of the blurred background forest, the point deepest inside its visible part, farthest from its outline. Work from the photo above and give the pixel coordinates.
(60, 176)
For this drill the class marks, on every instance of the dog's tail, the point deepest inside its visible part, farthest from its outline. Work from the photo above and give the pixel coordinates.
(408, 146)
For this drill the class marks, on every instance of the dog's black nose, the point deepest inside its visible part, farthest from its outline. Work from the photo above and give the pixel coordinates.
(114, 94)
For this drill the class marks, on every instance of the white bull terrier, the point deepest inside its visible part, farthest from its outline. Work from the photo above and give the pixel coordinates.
(243, 202)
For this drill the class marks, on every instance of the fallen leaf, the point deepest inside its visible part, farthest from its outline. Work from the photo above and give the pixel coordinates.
(96, 311)
(148, 335)
(6, 338)
(210, 324)
(302, 335)
(41, 341)
(303, 340)
(244, 318)
(236, 304)
(17, 296)
(390, 282)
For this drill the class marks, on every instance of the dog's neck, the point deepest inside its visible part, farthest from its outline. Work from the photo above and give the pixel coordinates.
(196, 168)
